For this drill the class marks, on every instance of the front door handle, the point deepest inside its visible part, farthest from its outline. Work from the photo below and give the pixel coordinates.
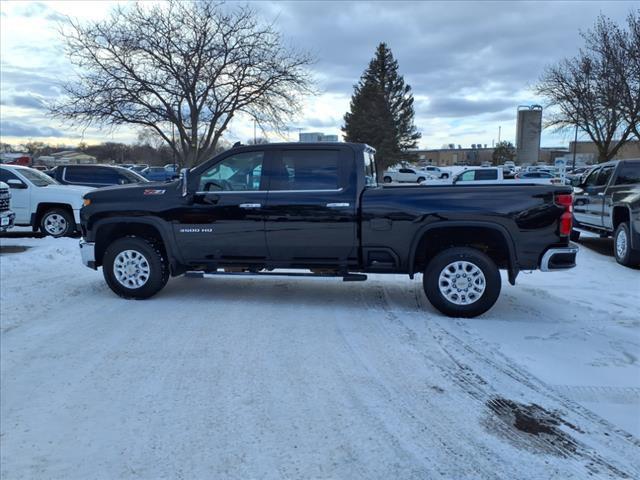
(250, 205)
(338, 205)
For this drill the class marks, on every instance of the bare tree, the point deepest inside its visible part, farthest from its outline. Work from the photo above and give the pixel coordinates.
(597, 90)
(193, 66)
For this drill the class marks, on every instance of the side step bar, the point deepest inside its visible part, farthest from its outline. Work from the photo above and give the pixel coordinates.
(349, 277)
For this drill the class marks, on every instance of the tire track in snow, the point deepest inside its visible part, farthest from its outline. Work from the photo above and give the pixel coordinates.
(496, 368)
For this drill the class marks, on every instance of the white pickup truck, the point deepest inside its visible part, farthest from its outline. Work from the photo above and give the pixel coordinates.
(489, 175)
(42, 203)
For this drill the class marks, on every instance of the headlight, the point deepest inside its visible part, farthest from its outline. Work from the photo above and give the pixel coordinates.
(86, 202)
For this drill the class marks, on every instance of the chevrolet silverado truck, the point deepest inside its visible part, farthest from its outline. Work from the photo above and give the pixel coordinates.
(41, 202)
(319, 210)
(607, 202)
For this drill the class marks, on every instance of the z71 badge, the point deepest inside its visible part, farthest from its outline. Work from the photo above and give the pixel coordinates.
(153, 191)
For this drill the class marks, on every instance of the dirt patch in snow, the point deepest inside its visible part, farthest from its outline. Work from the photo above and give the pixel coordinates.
(6, 249)
(531, 426)
(538, 430)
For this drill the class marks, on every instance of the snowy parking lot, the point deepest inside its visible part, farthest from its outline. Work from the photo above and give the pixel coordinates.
(314, 378)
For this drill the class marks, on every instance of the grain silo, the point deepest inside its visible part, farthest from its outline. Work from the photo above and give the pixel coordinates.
(528, 133)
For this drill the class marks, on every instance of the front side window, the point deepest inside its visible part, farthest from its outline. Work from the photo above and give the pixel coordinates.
(240, 172)
(604, 175)
(468, 176)
(592, 178)
(306, 170)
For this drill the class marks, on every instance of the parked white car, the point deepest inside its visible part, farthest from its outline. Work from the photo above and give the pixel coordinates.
(405, 175)
(6, 214)
(436, 172)
(42, 203)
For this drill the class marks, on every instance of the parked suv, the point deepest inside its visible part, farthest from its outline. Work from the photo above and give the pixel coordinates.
(95, 175)
(405, 175)
(608, 202)
(6, 215)
(41, 202)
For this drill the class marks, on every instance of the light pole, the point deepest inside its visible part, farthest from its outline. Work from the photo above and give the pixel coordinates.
(575, 147)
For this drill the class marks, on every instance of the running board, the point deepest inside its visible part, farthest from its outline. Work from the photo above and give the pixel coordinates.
(349, 277)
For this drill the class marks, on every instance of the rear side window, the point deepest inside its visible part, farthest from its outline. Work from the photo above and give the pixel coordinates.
(306, 170)
(491, 174)
(90, 175)
(629, 173)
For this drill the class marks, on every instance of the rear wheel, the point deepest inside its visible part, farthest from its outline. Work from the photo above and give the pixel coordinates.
(135, 267)
(421, 179)
(57, 222)
(462, 282)
(625, 255)
(387, 179)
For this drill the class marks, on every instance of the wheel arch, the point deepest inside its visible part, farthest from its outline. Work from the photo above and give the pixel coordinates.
(109, 230)
(44, 207)
(494, 235)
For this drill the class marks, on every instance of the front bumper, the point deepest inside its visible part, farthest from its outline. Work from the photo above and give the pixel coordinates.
(88, 253)
(7, 219)
(556, 259)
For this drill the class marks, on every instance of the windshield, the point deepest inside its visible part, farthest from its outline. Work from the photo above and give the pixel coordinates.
(36, 177)
(133, 177)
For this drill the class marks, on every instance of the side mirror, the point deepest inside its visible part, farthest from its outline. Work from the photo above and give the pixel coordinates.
(184, 178)
(15, 183)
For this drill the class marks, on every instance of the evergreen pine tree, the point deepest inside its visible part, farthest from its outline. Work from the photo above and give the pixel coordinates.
(381, 112)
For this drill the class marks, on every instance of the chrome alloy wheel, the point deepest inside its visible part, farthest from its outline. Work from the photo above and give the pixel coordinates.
(55, 224)
(621, 243)
(131, 269)
(462, 283)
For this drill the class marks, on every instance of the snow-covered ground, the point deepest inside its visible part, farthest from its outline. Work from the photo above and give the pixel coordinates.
(314, 378)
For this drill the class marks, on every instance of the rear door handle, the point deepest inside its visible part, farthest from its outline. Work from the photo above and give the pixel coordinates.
(250, 205)
(338, 205)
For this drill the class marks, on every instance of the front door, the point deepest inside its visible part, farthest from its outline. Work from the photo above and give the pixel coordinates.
(224, 222)
(583, 197)
(310, 216)
(595, 207)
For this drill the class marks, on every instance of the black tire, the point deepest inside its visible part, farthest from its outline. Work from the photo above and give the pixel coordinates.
(431, 282)
(444, 176)
(627, 256)
(386, 179)
(421, 179)
(57, 223)
(575, 235)
(157, 265)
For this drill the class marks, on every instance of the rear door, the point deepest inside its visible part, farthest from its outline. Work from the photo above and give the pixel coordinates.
(310, 217)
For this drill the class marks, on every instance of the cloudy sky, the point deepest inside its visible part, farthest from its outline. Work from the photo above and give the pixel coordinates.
(470, 64)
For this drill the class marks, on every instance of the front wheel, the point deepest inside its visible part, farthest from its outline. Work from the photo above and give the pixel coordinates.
(57, 223)
(421, 179)
(625, 255)
(387, 179)
(135, 267)
(462, 282)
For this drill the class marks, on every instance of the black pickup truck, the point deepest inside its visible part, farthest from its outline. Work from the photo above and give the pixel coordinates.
(607, 202)
(318, 209)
